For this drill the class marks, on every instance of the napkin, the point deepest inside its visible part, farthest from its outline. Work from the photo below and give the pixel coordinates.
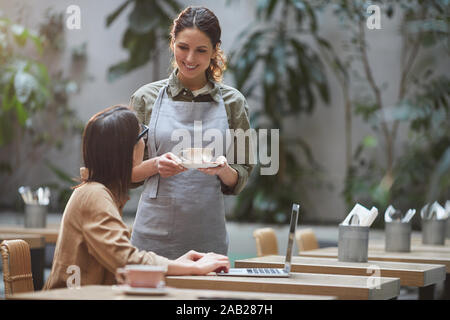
(436, 211)
(361, 216)
(409, 215)
(392, 212)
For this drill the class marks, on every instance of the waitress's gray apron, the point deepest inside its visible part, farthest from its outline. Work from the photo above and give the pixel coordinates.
(185, 211)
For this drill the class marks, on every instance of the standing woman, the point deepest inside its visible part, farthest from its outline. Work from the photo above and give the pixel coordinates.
(182, 208)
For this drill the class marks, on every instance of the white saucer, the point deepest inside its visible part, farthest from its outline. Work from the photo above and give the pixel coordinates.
(192, 165)
(141, 291)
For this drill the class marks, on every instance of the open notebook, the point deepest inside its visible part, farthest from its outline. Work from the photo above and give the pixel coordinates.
(271, 272)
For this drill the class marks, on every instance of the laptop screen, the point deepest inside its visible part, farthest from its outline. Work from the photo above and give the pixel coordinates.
(292, 228)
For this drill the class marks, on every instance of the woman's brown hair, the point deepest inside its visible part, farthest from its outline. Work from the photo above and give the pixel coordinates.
(108, 144)
(206, 21)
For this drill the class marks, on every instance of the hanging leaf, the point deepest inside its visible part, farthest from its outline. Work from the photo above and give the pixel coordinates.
(148, 22)
(21, 113)
(139, 19)
(113, 16)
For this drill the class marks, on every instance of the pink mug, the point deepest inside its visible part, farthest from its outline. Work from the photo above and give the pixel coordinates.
(142, 276)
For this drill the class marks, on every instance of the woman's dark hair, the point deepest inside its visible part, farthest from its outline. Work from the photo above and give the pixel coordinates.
(108, 144)
(206, 21)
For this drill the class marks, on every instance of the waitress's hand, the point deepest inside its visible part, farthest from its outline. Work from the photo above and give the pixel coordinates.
(225, 172)
(223, 164)
(169, 165)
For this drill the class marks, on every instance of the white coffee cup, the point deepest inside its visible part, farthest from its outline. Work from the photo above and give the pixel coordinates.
(138, 275)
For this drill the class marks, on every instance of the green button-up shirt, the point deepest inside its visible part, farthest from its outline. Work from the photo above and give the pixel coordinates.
(235, 104)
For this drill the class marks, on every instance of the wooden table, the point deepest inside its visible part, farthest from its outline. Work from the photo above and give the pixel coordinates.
(37, 254)
(416, 239)
(341, 286)
(34, 241)
(416, 245)
(50, 233)
(424, 257)
(415, 275)
(114, 293)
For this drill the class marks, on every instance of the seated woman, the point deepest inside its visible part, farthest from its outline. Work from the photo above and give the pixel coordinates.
(93, 236)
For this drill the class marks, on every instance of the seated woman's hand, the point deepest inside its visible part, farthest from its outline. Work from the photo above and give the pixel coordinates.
(211, 262)
(169, 165)
(190, 256)
(196, 263)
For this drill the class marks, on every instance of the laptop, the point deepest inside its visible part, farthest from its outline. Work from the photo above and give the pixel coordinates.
(271, 272)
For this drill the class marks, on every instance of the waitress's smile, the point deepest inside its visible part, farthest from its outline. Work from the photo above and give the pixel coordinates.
(190, 67)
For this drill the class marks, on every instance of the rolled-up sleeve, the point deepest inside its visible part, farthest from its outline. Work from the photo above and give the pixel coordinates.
(108, 238)
(239, 119)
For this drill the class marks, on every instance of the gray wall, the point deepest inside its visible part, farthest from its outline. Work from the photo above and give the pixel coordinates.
(324, 130)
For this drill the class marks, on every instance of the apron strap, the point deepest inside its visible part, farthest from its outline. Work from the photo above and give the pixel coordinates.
(151, 185)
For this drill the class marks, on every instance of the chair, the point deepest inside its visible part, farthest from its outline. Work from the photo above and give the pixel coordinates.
(306, 240)
(266, 242)
(16, 260)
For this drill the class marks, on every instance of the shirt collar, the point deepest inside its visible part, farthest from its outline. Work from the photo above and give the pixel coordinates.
(176, 87)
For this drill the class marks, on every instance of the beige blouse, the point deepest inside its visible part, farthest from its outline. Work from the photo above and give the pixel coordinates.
(94, 240)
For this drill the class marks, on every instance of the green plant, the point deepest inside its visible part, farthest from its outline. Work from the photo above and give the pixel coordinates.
(35, 115)
(292, 79)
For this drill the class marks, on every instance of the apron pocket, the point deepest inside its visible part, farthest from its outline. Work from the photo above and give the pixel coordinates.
(155, 220)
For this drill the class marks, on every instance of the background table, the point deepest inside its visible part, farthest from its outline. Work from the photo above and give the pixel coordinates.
(415, 239)
(415, 275)
(50, 233)
(381, 255)
(416, 245)
(113, 293)
(424, 257)
(341, 286)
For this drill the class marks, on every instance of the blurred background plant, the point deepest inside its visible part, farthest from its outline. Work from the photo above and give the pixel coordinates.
(35, 116)
(417, 171)
(279, 44)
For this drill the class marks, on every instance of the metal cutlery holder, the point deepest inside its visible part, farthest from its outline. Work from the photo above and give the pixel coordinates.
(433, 231)
(353, 243)
(35, 216)
(398, 236)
